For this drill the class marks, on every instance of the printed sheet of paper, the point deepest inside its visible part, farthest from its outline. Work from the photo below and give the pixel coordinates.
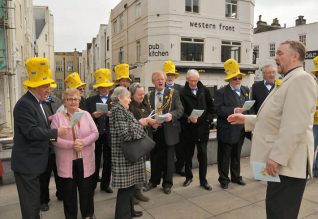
(196, 112)
(259, 172)
(76, 117)
(102, 107)
(248, 104)
(161, 118)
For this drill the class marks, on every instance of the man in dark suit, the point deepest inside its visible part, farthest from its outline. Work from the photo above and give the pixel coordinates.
(50, 106)
(261, 89)
(102, 145)
(32, 135)
(169, 69)
(195, 129)
(164, 102)
(229, 100)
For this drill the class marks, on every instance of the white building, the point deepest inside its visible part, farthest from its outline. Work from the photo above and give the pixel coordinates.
(199, 34)
(44, 34)
(266, 43)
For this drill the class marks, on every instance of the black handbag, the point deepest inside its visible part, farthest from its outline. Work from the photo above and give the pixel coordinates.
(135, 149)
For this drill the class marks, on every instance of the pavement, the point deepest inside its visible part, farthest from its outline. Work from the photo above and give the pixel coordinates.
(239, 202)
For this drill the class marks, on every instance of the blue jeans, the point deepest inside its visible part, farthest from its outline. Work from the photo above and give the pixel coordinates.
(315, 165)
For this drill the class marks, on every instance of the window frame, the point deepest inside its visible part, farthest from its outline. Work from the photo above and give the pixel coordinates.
(194, 41)
(272, 49)
(192, 6)
(235, 54)
(231, 5)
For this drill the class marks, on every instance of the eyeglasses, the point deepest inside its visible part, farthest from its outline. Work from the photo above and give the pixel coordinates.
(72, 99)
(236, 79)
(81, 89)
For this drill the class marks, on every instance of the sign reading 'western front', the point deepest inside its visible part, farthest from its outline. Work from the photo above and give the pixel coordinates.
(155, 50)
(213, 26)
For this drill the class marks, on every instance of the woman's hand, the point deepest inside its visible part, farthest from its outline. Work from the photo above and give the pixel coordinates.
(143, 121)
(78, 145)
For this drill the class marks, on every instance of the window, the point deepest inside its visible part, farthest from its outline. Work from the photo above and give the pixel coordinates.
(138, 51)
(69, 66)
(121, 55)
(192, 49)
(58, 66)
(302, 38)
(59, 84)
(138, 10)
(272, 49)
(115, 28)
(192, 6)
(231, 49)
(121, 22)
(231, 8)
(107, 43)
(255, 53)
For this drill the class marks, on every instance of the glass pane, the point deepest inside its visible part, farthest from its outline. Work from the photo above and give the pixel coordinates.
(196, 6)
(226, 42)
(188, 5)
(186, 39)
(236, 43)
(198, 40)
(228, 11)
(234, 11)
(225, 53)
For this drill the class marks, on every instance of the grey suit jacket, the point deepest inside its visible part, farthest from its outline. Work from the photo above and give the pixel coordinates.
(173, 128)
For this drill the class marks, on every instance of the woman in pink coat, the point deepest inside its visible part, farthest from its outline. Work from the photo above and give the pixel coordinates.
(75, 159)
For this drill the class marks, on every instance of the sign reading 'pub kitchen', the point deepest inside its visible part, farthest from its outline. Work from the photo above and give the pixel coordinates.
(205, 25)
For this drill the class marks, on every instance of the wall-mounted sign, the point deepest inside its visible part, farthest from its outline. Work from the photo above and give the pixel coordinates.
(212, 26)
(311, 54)
(156, 50)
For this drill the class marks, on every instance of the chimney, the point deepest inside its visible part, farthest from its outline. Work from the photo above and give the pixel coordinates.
(275, 23)
(300, 20)
(260, 22)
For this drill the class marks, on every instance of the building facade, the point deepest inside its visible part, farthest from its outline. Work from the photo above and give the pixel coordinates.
(65, 63)
(199, 34)
(266, 43)
(44, 34)
(17, 45)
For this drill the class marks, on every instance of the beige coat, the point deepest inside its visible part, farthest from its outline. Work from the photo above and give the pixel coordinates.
(283, 125)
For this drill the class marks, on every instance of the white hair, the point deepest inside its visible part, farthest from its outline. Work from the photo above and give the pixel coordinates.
(119, 92)
(193, 72)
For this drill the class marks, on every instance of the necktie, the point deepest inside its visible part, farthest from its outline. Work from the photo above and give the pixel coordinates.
(159, 104)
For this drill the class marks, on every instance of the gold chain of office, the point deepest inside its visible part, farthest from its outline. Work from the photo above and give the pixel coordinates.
(164, 106)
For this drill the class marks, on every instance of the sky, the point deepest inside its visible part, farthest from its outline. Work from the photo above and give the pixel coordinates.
(75, 26)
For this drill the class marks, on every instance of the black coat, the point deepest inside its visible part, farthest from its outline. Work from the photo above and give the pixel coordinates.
(259, 93)
(32, 135)
(202, 101)
(225, 100)
(102, 122)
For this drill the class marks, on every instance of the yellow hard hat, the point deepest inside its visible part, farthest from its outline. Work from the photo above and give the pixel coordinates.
(122, 71)
(38, 71)
(315, 71)
(103, 78)
(232, 69)
(73, 80)
(170, 68)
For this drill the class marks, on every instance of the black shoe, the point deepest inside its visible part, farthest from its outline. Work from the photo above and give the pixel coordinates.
(107, 190)
(206, 186)
(136, 213)
(167, 190)
(187, 182)
(44, 207)
(224, 186)
(240, 182)
(149, 186)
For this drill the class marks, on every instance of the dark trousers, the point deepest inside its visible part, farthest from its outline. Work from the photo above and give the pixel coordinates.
(180, 156)
(85, 190)
(28, 186)
(283, 199)
(202, 158)
(229, 158)
(102, 147)
(162, 160)
(124, 203)
(45, 181)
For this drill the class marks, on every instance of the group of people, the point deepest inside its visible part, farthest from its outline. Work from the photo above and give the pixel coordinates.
(74, 138)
